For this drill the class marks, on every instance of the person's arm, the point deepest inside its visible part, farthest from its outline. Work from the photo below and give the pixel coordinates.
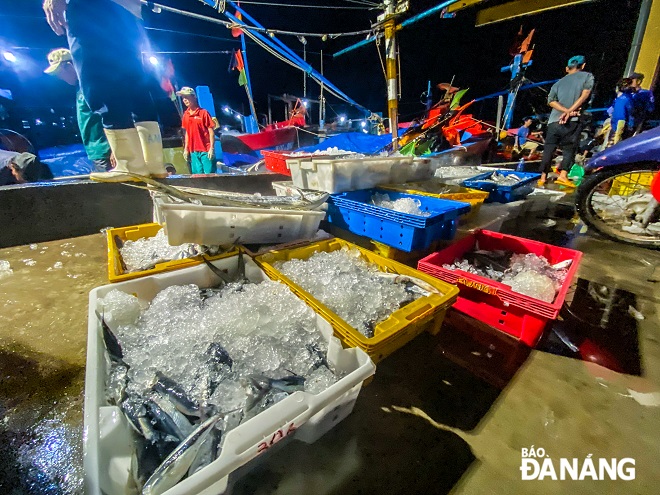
(186, 153)
(584, 96)
(55, 10)
(211, 143)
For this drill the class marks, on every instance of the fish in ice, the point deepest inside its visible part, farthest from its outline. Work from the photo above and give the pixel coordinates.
(176, 465)
(111, 342)
(176, 394)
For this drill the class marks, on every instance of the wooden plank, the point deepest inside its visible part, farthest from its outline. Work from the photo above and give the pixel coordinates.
(520, 8)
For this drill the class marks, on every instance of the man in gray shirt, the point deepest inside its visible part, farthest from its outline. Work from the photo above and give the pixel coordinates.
(566, 99)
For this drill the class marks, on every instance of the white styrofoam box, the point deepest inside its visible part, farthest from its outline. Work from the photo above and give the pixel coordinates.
(285, 188)
(341, 175)
(108, 440)
(219, 225)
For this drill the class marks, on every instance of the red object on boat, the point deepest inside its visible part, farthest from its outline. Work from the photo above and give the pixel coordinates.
(270, 138)
(276, 161)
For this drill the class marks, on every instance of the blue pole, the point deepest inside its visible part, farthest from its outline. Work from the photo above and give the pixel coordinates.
(353, 47)
(516, 67)
(527, 86)
(426, 13)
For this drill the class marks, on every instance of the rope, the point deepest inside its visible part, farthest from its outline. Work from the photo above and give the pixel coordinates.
(245, 28)
(380, 57)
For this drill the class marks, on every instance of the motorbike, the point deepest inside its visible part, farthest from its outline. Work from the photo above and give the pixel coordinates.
(620, 196)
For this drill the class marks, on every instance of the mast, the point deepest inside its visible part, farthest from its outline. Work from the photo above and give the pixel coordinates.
(391, 71)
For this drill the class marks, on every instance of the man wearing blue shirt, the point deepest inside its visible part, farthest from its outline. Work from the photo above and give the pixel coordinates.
(622, 113)
(643, 102)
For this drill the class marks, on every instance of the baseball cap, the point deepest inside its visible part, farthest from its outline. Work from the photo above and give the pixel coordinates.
(636, 75)
(576, 60)
(186, 91)
(57, 57)
(23, 160)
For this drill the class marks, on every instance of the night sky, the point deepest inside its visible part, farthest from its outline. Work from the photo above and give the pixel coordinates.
(436, 49)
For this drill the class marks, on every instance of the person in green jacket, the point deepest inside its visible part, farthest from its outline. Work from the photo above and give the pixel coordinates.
(89, 123)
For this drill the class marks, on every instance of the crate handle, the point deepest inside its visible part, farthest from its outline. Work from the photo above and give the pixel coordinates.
(418, 312)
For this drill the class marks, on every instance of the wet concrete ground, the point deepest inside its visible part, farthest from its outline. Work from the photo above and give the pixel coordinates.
(424, 425)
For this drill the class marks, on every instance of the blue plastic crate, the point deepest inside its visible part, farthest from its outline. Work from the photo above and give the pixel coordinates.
(351, 211)
(504, 194)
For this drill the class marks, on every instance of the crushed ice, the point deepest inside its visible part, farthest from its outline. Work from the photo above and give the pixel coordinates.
(5, 269)
(350, 286)
(265, 329)
(404, 205)
(145, 253)
(527, 274)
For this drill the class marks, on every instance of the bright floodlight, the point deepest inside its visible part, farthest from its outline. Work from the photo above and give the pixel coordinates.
(225, 128)
(153, 60)
(363, 124)
(9, 57)
(226, 109)
(304, 102)
(238, 116)
(342, 119)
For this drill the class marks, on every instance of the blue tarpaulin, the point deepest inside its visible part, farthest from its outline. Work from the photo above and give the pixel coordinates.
(66, 160)
(357, 142)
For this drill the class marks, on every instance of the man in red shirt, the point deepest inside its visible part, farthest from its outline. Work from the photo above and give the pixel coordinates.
(200, 139)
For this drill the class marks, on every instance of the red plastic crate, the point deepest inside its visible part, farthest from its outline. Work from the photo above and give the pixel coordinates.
(488, 240)
(276, 161)
(517, 322)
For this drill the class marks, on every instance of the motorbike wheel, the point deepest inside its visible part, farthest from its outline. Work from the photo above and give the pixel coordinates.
(610, 200)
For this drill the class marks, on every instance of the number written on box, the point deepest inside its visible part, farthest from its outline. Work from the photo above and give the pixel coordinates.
(276, 437)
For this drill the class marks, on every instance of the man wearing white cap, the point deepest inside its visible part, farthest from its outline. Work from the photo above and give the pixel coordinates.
(106, 39)
(198, 126)
(89, 123)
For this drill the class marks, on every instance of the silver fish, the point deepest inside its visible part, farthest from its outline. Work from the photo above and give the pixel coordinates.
(176, 394)
(185, 427)
(176, 465)
(308, 200)
(396, 278)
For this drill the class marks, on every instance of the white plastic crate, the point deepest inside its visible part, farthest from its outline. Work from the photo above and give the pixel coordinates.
(342, 175)
(108, 439)
(212, 225)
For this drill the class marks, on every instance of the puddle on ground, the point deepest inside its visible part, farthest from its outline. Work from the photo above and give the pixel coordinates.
(43, 328)
(598, 324)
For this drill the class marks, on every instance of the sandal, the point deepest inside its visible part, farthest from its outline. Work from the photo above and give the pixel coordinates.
(565, 182)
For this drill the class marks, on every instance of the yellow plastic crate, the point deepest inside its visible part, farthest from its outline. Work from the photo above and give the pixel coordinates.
(115, 271)
(426, 313)
(625, 185)
(433, 188)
